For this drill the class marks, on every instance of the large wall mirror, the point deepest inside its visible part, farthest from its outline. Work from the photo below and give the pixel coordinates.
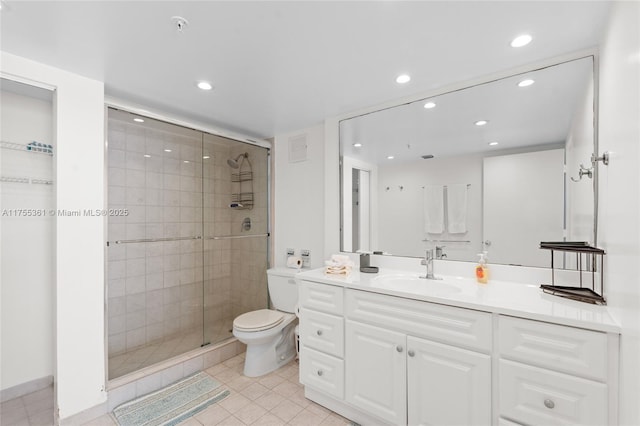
(495, 167)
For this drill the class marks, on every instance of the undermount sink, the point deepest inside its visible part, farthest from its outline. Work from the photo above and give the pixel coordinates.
(413, 283)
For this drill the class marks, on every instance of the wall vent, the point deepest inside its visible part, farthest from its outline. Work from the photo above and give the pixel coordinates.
(297, 148)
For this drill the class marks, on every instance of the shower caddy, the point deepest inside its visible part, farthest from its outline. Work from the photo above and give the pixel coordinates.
(242, 199)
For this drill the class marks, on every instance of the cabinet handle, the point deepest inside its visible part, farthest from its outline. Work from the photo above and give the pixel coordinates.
(399, 348)
(549, 403)
(320, 372)
(319, 332)
(410, 352)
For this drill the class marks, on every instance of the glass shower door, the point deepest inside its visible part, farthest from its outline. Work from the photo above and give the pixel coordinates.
(235, 217)
(154, 266)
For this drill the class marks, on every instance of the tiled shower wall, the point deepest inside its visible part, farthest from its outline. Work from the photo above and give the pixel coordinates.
(174, 181)
(235, 269)
(249, 255)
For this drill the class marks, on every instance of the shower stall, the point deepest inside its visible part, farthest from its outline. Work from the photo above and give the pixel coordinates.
(187, 238)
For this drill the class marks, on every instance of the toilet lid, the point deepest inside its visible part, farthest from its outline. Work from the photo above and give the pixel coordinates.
(258, 320)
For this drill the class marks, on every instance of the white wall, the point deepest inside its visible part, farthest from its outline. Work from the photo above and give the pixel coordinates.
(79, 263)
(298, 198)
(619, 232)
(26, 247)
(405, 208)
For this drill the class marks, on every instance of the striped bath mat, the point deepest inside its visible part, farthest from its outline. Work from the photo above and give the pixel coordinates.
(172, 404)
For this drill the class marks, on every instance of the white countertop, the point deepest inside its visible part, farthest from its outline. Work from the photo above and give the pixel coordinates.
(502, 297)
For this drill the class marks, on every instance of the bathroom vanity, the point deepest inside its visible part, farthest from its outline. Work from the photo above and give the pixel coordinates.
(392, 348)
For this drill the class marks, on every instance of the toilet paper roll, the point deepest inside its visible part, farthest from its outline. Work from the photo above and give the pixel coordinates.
(294, 262)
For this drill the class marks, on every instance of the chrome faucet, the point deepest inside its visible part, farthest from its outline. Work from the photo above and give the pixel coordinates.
(428, 262)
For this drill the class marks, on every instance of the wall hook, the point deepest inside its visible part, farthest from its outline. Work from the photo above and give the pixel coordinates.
(604, 158)
(583, 172)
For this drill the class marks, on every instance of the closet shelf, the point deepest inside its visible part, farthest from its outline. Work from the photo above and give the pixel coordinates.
(32, 147)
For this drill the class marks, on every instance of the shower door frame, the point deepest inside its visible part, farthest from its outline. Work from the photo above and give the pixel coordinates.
(125, 106)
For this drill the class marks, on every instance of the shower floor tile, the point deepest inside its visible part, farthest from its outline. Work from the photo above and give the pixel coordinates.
(144, 356)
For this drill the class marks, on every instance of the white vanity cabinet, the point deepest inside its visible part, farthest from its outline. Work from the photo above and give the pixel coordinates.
(406, 361)
(379, 358)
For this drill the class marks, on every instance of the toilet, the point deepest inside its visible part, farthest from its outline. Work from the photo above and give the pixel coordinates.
(270, 333)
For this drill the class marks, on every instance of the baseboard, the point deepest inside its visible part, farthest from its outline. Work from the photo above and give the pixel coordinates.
(342, 408)
(25, 388)
(84, 417)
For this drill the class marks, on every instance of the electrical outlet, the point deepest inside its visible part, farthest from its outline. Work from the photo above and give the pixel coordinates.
(306, 258)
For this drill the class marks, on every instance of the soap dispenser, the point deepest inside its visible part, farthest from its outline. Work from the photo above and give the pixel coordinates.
(482, 270)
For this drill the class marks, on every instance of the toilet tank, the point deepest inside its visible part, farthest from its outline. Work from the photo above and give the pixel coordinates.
(283, 289)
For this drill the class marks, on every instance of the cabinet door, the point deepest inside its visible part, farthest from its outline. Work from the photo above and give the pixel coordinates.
(375, 367)
(447, 385)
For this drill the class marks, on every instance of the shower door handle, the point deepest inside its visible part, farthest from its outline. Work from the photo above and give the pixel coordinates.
(155, 240)
(231, 237)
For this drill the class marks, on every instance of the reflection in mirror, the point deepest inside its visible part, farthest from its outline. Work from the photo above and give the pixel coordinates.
(480, 168)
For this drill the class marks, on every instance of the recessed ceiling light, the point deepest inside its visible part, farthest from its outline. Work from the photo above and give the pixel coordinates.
(403, 78)
(521, 40)
(390, 157)
(525, 83)
(357, 144)
(430, 105)
(204, 85)
(481, 122)
(493, 143)
(147, 156)
(205, 157)
(138, 120)
(167, 150)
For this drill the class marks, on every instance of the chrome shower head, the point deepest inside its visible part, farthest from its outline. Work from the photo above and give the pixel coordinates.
(235, 163)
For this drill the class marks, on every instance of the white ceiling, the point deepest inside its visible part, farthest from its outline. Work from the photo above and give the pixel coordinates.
(282, 66)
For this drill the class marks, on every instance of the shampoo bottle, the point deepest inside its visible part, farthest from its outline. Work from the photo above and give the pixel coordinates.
(482, 270)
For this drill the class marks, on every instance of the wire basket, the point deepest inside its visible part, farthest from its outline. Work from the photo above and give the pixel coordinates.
(590, 267)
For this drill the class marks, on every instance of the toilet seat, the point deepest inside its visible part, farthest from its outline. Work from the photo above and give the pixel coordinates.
(262, 319)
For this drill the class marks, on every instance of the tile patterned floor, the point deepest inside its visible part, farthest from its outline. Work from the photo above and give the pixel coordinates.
(34, 409)
(274, 399)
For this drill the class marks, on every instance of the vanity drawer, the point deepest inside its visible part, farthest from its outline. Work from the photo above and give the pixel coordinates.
(322, 372)
(532, 395)
(568, 349)
(322, 332)
(321, 297)
(446, 324)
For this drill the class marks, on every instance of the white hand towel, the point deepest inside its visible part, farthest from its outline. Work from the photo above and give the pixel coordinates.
(457, 208)
(433, 209)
